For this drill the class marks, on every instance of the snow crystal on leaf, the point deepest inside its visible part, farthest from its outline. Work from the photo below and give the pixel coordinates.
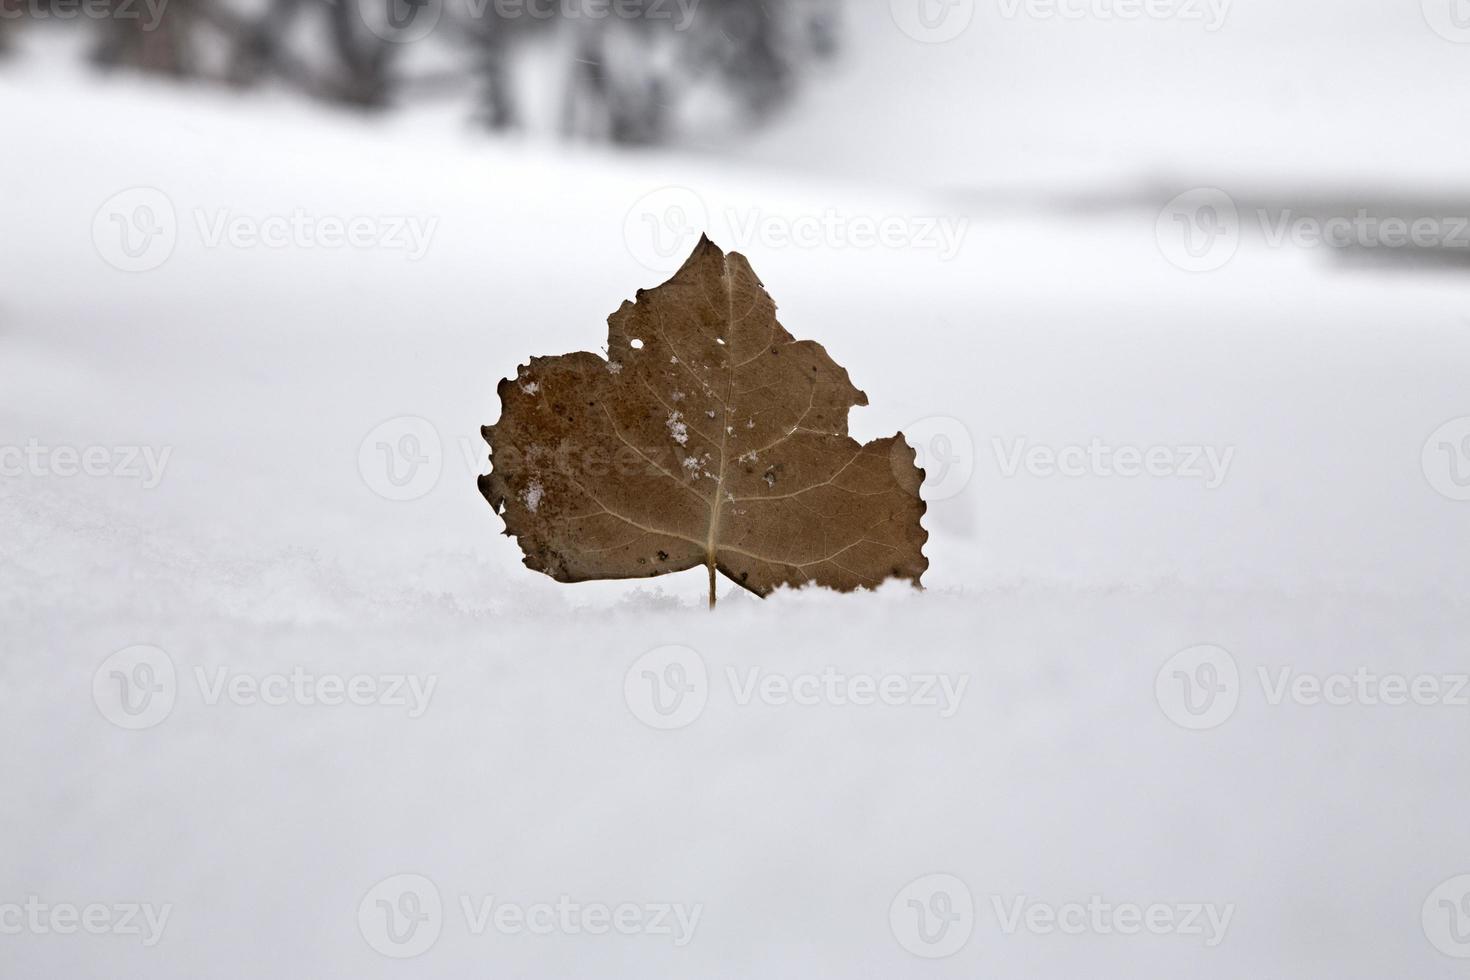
(531, 496)
(677, 428)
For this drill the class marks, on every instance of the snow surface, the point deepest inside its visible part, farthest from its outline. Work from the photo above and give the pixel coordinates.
(264, 549)
(1346, 94)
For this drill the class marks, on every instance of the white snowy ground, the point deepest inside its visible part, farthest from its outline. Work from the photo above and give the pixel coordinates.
(530, 776)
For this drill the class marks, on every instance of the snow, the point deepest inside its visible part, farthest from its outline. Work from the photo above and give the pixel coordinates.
(1342, 95)
(318, 518)
(532, 495)
(678, 428)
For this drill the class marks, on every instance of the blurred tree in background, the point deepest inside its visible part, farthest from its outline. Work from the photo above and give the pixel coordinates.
(162, 45)
(626, 71)
(9, 12)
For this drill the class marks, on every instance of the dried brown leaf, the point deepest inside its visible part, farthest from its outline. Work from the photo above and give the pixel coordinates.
(709, 436)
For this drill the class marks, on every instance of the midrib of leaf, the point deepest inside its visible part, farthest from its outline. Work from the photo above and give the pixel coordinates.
(729, 350)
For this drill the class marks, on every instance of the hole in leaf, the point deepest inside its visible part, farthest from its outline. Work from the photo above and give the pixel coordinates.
(636, 344)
